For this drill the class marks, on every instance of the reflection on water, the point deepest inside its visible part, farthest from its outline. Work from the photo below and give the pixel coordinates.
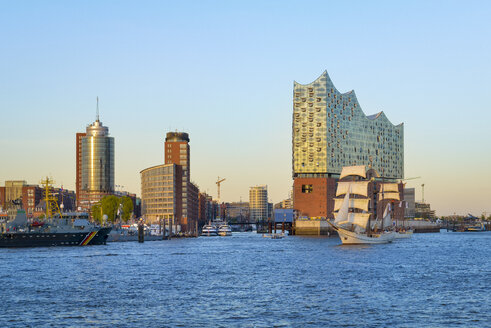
(246, 280)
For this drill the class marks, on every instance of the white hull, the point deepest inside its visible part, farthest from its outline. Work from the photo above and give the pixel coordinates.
(352, 238)
(224, 230)
(209, 230)
(274, 235)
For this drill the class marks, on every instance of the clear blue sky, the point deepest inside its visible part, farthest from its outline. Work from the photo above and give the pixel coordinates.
(223, 71)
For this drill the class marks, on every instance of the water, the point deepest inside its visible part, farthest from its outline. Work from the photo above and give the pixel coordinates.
(431, 280)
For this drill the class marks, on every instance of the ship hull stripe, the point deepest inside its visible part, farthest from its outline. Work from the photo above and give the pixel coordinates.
(88, 238)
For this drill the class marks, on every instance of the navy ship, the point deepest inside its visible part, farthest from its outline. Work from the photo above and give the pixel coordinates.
(60, 229)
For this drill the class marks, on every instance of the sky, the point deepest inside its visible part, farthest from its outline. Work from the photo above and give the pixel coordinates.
(223, 71)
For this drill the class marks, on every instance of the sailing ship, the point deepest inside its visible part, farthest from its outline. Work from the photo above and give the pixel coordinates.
(390, 191)
(352, 217)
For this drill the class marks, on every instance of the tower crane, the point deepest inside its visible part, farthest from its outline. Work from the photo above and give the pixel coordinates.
(423, 190)
(219, 181)
(413, 178)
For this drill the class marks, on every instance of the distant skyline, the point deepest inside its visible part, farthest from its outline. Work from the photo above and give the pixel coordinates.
(223, 72)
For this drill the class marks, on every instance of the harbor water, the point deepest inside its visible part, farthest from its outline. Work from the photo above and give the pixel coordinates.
(431, 280)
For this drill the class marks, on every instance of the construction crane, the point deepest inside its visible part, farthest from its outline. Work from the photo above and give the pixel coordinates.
(413, 178)
(218, 185)
(423, 190)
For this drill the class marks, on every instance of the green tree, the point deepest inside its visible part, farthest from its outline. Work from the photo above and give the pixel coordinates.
(96, 212)
(127, 208)
(110, 206)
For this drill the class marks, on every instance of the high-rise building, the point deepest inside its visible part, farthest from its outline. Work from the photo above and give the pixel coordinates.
(78, 182)
(95, 165)
(184, 193)
(162, 193)
(177, 152)
(258, 203)
(331, 131)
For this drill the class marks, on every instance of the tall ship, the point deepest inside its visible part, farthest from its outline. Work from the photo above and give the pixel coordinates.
(56, 229)
(353, 220)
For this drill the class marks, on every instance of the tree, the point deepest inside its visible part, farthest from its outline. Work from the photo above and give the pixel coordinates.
(96, 212)
(110, 206)
(127, 208)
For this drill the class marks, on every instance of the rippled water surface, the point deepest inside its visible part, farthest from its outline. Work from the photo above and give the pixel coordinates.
(431, 280)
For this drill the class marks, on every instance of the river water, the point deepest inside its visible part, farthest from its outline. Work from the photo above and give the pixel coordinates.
(431, 280)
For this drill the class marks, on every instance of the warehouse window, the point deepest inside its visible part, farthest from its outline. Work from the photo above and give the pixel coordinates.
(307, 189)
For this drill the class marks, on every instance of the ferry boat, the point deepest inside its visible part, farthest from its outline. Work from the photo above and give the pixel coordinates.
(225, 230)
(352, 219)
(209, 230)
(477, 228)
(61, 229)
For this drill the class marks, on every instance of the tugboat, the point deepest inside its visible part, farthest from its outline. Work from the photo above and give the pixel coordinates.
(67, 229)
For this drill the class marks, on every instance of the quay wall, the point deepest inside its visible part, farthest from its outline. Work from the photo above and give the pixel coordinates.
(421, 226)
(312, 228)
(304, 227)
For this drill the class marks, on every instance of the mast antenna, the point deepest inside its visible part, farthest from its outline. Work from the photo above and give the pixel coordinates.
(97, 112)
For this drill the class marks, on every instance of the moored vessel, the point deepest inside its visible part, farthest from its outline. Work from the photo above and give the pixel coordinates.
(209, 230)
(60, 229)
(224, 230)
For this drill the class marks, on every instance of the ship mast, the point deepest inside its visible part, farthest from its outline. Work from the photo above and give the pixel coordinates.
(49, 198)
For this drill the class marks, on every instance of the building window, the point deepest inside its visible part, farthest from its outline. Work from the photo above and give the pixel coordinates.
(307, 189)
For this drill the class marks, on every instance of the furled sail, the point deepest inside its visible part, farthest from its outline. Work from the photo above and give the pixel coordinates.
(358, 170)
(361, 204)
(388, 195)
(357, 187)
(388, 187)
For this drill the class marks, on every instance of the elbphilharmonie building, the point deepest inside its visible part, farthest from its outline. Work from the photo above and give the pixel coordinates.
(330, 131)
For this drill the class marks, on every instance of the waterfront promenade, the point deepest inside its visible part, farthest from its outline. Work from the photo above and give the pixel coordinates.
(437, 280)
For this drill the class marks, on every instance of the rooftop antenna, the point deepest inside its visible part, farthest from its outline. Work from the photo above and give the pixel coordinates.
(97, 113)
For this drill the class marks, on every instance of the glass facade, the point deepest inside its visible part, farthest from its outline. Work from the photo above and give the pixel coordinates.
(331, 131)
(258, 203)
(158, 196)
(97, 160)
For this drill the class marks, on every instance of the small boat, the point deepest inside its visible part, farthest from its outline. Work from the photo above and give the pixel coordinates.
(404, 234)
(274, 235)
(479, 227)
(224, 230)
(209, 230)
